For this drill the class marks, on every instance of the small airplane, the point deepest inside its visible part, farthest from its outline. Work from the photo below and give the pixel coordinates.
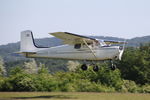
(76, 47)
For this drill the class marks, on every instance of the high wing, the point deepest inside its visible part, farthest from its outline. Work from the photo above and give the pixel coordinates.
(70, 38)
(108, 42)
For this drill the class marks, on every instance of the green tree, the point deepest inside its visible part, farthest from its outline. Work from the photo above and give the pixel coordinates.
(42, 69)
(104, 76)
(22, 82)
(72, 65)
(30, 67)
(135, 64)
(2, 67)
(16, 70)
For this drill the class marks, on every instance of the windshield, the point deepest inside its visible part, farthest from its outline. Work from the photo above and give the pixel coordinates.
(102, 43)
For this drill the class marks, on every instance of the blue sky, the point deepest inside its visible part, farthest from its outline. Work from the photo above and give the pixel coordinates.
(117, 18)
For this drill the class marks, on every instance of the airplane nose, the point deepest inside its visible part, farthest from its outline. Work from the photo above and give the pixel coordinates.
(120, 47)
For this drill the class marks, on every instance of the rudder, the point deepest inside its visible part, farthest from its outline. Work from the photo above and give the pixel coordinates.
(27, 42)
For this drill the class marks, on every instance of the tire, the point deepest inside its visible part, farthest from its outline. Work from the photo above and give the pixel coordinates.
(95, 68)
(113, 67)
(84, 67)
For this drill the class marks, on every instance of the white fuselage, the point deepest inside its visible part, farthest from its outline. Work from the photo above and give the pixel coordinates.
(83, 53)
(91, 49)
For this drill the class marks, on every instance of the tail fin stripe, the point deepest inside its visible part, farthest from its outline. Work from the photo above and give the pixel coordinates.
(34, 42)
(27, 42)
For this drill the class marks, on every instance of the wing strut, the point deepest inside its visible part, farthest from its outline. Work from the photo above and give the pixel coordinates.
(89, 48)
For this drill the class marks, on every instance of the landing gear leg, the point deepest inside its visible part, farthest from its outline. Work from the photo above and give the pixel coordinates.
(113, 66)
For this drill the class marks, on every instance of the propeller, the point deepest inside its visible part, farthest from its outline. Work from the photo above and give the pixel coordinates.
(122, 50)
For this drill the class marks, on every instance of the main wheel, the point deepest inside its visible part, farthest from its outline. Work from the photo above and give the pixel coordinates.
(95, 68)
(113, 67)
(84, 67)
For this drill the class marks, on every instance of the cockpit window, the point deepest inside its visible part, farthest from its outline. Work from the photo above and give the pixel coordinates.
(77, 46)
(102, 43)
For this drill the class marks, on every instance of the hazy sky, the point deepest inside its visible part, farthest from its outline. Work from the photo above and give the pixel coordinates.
(119, 18)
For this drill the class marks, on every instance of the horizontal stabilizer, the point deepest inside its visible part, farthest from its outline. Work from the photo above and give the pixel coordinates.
(25, 52)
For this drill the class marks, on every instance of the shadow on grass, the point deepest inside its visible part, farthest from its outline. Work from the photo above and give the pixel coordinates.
(47, 97)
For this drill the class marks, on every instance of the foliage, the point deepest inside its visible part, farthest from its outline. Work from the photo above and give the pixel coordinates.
(2, 68)
(1, 82)
(144, 89)
(129, 86)
(16, 70)
(78, 81)
(104, 76)
(72, 65)
(45, 82)
(135, 64)
(30, 67)
(42, 69)
(53, 65)
(22, 82)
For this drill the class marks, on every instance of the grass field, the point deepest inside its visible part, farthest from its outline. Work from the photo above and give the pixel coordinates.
(71, 96)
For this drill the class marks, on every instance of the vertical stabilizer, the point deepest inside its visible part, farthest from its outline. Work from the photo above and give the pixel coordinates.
(27, 42)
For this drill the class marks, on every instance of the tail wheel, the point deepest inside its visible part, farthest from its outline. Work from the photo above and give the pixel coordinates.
(84, 67)
(95, 68)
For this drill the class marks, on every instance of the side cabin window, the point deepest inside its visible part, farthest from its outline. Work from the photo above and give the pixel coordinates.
(102, 43)
(77, 46)
(83, 45)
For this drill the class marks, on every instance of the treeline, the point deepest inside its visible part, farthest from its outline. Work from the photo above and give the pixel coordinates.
(78, 81)
(132, 75)
(135, 64)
